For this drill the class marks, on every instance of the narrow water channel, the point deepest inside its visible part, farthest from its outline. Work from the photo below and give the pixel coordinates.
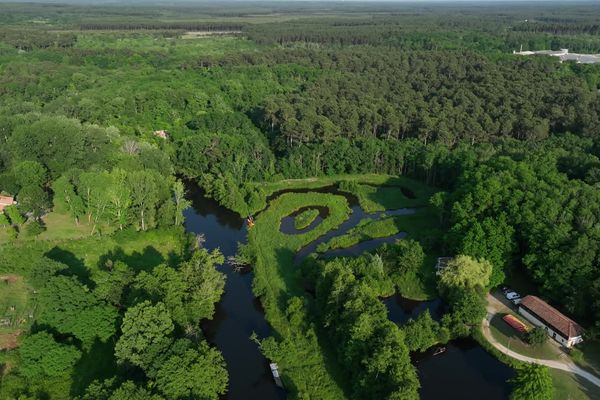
(238, 314)
(464, 372)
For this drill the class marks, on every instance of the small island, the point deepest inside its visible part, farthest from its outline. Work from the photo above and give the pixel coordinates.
(305, 218)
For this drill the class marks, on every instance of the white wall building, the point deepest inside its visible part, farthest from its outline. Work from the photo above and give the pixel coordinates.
(558, 326)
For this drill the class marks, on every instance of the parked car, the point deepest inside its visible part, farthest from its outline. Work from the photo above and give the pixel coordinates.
(505, 289)
(516, 301)
(512, 295)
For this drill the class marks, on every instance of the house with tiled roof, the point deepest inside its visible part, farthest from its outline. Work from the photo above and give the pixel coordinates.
(6, 201)
(558, 326)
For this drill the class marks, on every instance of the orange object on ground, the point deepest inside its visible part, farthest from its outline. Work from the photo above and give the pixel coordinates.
(515, 323)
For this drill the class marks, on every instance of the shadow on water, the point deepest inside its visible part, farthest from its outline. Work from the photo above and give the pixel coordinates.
(401, 309)
(236, 316)
(465, 371)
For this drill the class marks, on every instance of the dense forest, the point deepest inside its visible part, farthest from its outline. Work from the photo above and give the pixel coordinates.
(105, 112)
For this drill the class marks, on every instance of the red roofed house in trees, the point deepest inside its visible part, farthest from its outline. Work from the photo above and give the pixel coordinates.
(6, 201)
(559, 327)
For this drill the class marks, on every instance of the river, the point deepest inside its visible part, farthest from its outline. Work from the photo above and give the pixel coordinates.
(464, 372)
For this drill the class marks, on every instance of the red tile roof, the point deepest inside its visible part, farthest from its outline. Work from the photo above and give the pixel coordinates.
(6, 200)
(561, 323)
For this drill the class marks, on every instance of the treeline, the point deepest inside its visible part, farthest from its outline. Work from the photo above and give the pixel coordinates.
(557, 28)
(142, 327)
(149, 25)
(500, 34)
(37, 39)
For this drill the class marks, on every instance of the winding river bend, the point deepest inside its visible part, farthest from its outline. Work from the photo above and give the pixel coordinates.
(464, 372)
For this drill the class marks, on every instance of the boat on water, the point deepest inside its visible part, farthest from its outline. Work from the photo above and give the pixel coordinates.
(439, 350)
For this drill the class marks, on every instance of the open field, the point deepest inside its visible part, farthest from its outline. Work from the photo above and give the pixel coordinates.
(139, 249)
(15, 309)
(398, 193)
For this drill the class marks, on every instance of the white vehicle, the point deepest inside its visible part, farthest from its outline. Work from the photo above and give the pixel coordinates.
(512, 295)
(516, 301)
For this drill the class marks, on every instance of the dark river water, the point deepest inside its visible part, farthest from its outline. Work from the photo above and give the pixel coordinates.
(465, 371)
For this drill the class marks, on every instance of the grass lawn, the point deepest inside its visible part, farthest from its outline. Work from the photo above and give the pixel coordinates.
(59, 226)
(15, 309)
(4, 234)
(570, 387)
(590, 359)
(140, 250)
(304, 360)
(512, 339)
(305, 218)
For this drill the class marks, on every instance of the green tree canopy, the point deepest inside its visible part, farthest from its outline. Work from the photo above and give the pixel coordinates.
(146, 335)
(533, 382)
(41, 356)
(193, 373)
(464, 272)
(69, 307)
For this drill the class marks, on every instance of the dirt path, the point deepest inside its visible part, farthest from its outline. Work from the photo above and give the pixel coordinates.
(494, 306)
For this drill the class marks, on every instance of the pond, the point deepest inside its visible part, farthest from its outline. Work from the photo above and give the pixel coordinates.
(465, 371)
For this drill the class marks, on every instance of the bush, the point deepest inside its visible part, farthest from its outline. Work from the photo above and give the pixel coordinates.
(3, 220)
(14, 215)
(537, 336)
(12, 232)
(33, 229)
